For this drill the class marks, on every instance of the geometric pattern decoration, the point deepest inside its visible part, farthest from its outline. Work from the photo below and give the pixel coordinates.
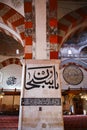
(52, 28)
(10, 61)
(29, 28)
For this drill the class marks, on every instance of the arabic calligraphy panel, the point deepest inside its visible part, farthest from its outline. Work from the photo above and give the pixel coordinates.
(41, 100)
(44, 76)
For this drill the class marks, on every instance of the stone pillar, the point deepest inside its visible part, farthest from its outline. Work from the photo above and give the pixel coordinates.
(40, 13)
(40, 106)
(41, 97)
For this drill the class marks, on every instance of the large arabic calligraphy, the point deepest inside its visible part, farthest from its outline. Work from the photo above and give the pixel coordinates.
(45, 76)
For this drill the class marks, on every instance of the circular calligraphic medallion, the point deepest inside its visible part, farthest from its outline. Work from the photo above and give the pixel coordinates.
(72, 74)
(11, 80)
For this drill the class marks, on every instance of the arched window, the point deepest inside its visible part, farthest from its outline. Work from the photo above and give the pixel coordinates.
(83, 52)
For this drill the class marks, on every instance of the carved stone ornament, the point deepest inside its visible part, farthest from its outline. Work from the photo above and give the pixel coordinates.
(73, 75)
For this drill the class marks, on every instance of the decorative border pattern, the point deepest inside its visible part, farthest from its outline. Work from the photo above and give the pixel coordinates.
(41, 101)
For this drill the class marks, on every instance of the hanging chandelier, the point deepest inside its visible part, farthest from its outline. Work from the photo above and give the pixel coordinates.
(83, 95)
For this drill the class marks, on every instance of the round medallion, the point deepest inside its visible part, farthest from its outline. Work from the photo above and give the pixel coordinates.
(11, 80)
(73, 75)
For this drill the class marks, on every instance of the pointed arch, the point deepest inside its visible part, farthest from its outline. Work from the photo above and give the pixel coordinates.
(68, 62)
(74, 22)
(10, 61)
(13, 20)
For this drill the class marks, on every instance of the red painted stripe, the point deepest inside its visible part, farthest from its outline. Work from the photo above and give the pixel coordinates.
(27, 7)
(53, 55)
(18, 22)
(1, 6)
(10, 61)
(60, 38)
(53, 5)
(4, 63)
(28, 40)
(53, 22)
(28, 24)
(16, 62)
(62, 27)
(28, 56)
(22, 35)
(9, 14)
(70, 18)
(53, 39)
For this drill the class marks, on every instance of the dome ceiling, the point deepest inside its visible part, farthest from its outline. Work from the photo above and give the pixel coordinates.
(78, 39)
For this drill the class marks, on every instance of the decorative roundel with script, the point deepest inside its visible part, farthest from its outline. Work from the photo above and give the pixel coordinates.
(73, 75)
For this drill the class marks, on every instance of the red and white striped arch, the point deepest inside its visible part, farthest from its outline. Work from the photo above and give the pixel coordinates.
(10, 34)
(79, 64)
(72, 23)
(10, 61)
(12, 19)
